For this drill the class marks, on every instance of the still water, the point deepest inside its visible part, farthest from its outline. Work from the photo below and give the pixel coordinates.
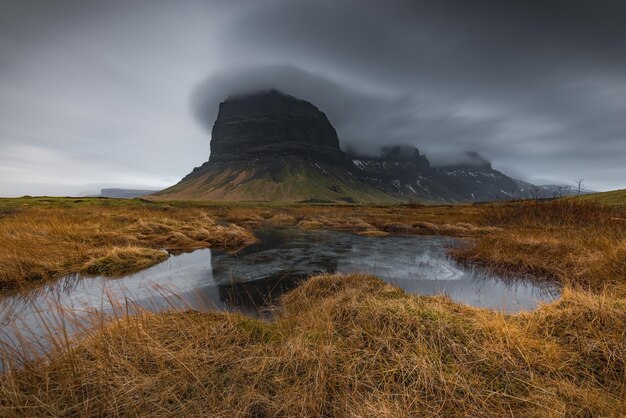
(254, 278)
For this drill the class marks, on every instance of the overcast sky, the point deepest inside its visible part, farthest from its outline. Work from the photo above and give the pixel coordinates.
(124, 93)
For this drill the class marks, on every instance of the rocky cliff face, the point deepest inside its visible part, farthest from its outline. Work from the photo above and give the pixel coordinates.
(403, 171)
(269, 125)
(476, 180)
(393, 162)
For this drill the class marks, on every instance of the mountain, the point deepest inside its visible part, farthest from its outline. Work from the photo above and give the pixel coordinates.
(270, 146)
(410, 174)
(402, 171)
(476, 180)
(273, 146)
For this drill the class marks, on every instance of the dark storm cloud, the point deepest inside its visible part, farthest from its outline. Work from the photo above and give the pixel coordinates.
(365, 120)
(536, 86)
(349, 110)
(539, 87)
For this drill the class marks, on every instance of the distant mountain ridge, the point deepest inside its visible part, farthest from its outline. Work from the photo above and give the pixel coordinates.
(269, 145)
(408, 173)
(120, 193)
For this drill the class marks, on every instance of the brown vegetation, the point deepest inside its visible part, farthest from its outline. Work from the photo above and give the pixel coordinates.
(341, 346)
(121, 260)
(579, 244)
(376, 220)
(44, 243)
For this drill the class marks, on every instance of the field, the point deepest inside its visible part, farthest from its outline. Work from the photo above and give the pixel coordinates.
(339, 345)
(44, 239)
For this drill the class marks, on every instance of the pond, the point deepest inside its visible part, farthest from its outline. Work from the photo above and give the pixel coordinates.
(255, 277)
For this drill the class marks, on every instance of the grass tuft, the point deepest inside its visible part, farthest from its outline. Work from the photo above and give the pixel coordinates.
(117, 261)
(342, 346)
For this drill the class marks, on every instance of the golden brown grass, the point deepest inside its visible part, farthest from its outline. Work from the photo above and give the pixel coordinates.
(121, 260)
(341, 346)
(576, 243)
(43, 243)
(376, 220)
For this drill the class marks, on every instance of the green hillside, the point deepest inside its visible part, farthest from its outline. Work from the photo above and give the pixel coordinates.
(291, 183)
(615, 198)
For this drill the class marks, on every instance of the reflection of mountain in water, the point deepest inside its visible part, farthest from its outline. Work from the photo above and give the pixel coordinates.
(258, 275)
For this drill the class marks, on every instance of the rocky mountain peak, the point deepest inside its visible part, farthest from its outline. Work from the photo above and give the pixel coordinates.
(270, 124)
(403, 153)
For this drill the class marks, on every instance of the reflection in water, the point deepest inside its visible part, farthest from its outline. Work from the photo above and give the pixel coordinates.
(255, 278)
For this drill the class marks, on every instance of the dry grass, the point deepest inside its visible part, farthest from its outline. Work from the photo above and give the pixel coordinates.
(44, 243)
(568, 212)
(378, 220)
(576, 243)
(121, 260)
(342, 346)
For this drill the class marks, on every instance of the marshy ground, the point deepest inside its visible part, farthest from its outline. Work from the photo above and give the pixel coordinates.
(340, 345)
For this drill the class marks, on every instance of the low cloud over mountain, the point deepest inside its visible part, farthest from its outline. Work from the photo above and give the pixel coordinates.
(537, 87)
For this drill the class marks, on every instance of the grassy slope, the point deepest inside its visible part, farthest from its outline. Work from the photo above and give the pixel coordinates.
(615, 198)
(292, 184)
